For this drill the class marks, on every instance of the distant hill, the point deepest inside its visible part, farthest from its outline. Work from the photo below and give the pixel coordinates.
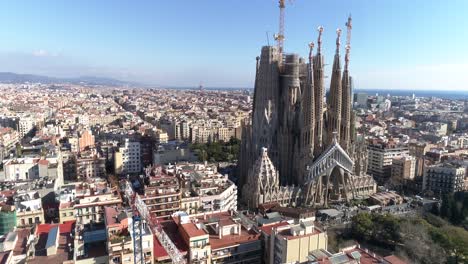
(10, 77)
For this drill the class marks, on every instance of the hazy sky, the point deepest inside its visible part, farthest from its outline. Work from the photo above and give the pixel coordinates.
(400, 44)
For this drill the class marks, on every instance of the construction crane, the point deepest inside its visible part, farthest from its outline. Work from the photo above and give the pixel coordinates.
(349, 26)
(280, 36)
(143, 216)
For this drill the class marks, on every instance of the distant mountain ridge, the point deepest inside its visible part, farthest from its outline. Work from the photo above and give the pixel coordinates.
(10, 77)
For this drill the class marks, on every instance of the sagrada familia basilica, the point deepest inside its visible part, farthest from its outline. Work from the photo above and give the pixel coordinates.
(300, 150)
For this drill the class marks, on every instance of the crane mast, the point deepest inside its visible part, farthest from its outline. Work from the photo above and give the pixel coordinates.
(349, 26)
(280, 36)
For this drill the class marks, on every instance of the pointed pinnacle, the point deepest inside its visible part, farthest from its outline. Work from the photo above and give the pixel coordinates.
(338, 36)
(319, 40)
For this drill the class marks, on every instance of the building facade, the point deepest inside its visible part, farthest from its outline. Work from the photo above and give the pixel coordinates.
(445, 178)
(403, 168)
(128, 158)
(381, 156)
(309, 141)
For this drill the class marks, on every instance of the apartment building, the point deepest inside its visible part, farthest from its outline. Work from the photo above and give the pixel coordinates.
(445, 178)
(380, 159)
(90, 165)
(21, 169)
(403, 168)
(121, 238)
(29, 209)
(128, 158)
(8, 140)
(87, 201)
(291, 243)
(162, 194)
(204, 189)
(85, 140)
(25, 125)
(220, 238)
(197, 239)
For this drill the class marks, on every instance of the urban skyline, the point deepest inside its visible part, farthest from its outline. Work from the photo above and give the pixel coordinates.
(306, 168)
(398, 44)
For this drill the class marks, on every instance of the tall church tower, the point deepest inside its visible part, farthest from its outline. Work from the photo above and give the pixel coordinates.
(346, 108)
(308, 110)
(335, 98)
(319, 92)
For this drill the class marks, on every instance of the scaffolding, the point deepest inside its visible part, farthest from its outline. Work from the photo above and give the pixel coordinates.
(141, 212)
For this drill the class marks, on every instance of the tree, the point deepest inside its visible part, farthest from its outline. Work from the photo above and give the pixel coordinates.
(388, 229)
(362, 226)
(417, 244)
(453, 239)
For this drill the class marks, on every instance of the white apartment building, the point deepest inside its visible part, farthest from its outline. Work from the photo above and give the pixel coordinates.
(205, 189)
(25, 125)
(21, 169)
(128, 158)
(380, 159)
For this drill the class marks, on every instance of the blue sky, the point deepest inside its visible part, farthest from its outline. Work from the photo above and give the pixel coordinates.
(397, 44)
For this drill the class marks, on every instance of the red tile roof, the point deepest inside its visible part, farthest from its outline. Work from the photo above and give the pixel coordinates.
(191, 230)
(392, 259)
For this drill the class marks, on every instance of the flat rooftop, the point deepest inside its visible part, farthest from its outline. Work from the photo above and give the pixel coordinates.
(225, 219)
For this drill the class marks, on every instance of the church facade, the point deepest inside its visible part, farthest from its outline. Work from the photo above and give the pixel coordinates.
(310, 142)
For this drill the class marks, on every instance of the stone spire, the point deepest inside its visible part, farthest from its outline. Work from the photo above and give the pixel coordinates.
(262, 183)
(334, 102)
(264, 112)
(346, 84)
(319, 92)
(309, 105)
